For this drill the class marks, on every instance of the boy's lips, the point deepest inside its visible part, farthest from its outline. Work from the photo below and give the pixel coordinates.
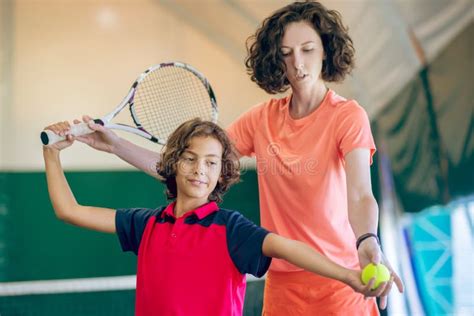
(197, 181)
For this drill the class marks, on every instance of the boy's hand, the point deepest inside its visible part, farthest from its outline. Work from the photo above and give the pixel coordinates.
(61, 129)
(103, 139)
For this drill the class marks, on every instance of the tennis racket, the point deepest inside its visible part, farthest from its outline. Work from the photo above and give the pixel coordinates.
(160, 99)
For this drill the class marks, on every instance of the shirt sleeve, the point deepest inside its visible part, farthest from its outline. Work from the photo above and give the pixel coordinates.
(244, 242)
(130, 224)
(353, 129)
(242, 130)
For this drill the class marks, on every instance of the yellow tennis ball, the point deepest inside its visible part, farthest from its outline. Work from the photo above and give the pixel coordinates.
(379, 272)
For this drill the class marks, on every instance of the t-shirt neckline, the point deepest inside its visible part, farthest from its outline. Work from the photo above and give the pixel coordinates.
(311, 116)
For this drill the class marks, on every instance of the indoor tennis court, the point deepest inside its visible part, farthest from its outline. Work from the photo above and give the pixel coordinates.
(60, 59)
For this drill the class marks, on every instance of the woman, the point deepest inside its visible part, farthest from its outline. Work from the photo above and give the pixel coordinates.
(313, 150)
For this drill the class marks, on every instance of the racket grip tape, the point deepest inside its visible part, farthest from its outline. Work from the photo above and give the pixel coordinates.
(48, 137)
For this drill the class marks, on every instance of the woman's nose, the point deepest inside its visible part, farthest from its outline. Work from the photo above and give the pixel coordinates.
(298, 62)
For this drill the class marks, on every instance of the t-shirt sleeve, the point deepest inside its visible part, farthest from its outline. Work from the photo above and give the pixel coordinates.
(130, 224)
(353, 130)
(244, 242)
(242, 130)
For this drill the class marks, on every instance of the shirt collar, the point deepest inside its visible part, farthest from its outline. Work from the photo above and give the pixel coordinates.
(200, 212)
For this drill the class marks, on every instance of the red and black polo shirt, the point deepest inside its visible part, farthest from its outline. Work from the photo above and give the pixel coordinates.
(192, 265)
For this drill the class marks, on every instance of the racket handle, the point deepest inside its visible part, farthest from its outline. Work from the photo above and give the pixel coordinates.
(49, 137)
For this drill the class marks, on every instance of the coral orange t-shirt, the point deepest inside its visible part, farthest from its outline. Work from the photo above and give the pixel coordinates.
(301, 176)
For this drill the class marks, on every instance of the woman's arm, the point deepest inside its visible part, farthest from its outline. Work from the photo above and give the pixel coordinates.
(362, 206)
(63, 201)
(106, 140)
(305, 257)
(364, 213)
(139, 157)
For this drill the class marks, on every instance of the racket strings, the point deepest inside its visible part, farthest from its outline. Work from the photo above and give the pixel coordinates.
(169, 96)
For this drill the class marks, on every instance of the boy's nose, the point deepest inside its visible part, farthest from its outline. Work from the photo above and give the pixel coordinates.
(199, 168)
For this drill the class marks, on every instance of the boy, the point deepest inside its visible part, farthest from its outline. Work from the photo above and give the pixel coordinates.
(192, 256)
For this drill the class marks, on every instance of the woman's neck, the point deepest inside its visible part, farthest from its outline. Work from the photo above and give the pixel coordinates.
(305, 102)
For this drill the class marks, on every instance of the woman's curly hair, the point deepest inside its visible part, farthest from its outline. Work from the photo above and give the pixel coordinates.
(179, 141)
(265, 63)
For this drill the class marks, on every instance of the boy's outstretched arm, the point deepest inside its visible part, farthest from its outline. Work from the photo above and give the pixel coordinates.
(63, 201)
(303, 256)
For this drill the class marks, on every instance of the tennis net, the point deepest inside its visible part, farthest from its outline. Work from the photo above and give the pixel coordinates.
(89, 297)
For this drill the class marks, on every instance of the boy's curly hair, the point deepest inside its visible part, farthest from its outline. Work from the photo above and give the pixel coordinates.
(265, 63)
(179, 141)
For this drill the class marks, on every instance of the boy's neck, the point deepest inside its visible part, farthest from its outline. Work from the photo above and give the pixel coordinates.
(183, 206)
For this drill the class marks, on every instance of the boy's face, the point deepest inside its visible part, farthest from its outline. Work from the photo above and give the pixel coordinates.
(199, 169)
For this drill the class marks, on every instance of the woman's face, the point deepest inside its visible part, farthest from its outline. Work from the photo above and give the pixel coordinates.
(303, 54)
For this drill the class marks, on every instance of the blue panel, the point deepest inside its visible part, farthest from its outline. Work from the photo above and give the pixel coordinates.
(430, 235)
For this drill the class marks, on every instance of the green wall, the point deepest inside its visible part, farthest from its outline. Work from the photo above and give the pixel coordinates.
(38, 246)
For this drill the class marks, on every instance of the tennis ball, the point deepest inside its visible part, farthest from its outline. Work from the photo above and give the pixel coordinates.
(379, 272)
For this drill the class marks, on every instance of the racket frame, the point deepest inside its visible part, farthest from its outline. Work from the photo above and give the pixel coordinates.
(48, 136)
